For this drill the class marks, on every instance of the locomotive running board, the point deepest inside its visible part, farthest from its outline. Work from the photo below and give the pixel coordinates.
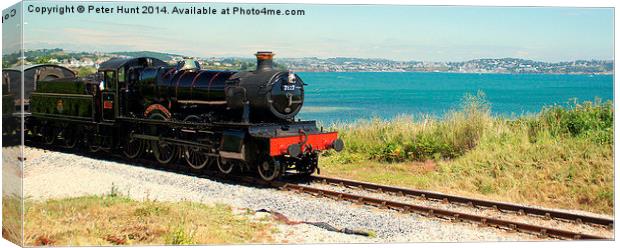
(174, 141)
(145, 137)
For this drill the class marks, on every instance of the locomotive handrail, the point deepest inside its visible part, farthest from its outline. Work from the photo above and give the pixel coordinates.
(162, 122)
(57, 116)
(62, 94)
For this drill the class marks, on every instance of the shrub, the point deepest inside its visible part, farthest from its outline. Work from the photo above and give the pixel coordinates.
(589, 120)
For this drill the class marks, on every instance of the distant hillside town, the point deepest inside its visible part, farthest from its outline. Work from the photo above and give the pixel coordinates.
(503, 65)
(88, 62)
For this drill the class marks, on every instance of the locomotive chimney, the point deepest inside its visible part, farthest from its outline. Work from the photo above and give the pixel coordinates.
(264, 60)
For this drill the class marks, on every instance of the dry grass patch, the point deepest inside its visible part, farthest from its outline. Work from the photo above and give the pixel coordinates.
(116, 220)
(12, 218)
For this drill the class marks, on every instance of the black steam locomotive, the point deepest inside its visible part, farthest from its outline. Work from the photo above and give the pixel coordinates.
(238, 121)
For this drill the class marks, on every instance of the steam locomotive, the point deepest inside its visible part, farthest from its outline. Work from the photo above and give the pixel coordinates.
(238, 121)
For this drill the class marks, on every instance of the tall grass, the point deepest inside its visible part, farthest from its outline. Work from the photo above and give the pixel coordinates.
(561, 156)
(404, 139)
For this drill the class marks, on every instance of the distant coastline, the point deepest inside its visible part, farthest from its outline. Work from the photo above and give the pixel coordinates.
(498, 66)
(78, 60)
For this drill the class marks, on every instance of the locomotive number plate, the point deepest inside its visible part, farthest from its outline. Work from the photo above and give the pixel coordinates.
(108, 104)
(289, 87)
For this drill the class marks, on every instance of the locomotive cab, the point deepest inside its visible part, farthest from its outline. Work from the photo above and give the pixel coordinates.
(118, 84)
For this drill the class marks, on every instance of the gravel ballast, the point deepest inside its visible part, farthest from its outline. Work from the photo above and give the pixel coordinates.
(50, 174)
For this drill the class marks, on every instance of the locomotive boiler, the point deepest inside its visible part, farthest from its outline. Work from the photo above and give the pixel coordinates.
(262, 95)
(238, 121)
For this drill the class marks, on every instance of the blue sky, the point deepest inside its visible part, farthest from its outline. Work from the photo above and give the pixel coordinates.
(439, 33)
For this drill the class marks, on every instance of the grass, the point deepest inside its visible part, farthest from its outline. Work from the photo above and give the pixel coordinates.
(12, 218)
(560, 157)
(116, 220)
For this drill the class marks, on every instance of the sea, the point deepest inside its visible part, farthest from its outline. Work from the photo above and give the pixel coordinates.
(346, 97)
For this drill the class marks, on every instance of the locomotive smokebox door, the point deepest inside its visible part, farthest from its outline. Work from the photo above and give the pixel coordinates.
(233, 146)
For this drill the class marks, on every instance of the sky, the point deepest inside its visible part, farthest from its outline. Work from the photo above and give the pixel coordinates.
(398, 32)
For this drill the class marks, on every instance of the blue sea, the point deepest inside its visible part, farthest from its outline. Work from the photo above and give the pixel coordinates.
(350, 96)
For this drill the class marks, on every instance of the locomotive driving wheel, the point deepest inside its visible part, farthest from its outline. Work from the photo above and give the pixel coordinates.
(94, 148)
(90, 140)
(196, 157)
(48, 134)
(225, 166)
(164, 152)
(270, 169)
(91, 143)
(133, 147)
(69, 138)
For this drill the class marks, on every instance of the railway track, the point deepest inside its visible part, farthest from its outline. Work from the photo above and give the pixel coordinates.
(455, 216)
(431, 211)
(447, 198)
(298, 187)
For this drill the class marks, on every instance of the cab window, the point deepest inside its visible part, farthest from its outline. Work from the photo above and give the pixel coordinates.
(121, 75)
(108, 80)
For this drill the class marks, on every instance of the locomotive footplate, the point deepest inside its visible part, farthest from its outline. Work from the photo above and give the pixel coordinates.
(303, 143)
(296, 139)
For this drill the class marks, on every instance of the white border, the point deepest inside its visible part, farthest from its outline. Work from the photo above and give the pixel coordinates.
(558, 3)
